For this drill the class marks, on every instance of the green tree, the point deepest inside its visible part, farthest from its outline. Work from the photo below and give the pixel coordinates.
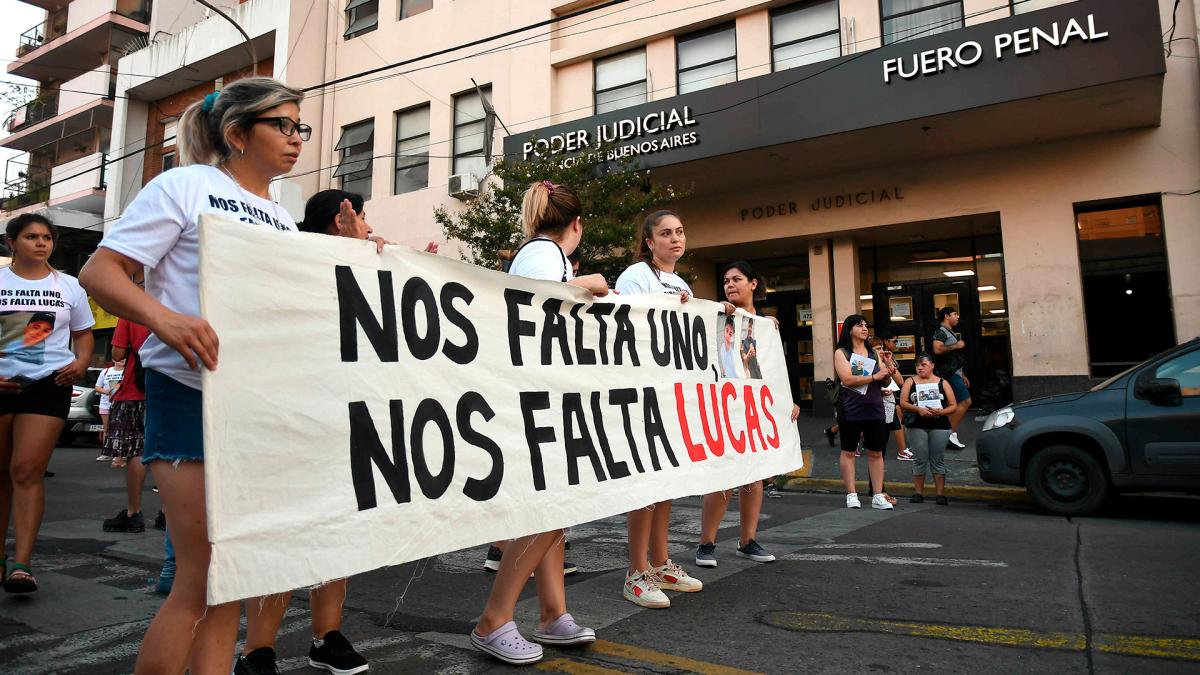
(615, 198)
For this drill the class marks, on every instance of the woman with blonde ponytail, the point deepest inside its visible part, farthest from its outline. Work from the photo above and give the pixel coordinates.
(234, 143)
(553, 226)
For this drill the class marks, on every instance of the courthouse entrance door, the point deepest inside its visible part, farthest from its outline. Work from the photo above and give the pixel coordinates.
(909, 311)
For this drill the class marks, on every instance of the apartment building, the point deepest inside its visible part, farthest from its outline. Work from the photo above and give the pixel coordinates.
(1030, 162)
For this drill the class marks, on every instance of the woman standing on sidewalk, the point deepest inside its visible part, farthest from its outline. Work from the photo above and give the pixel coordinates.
(48, 315)
(661, 243)
(928, 404)
(740, 284)
(860, 410)
(551, 216)
(234, 143)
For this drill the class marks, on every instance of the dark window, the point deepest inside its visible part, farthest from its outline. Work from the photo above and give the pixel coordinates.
(414, 7)
(469, 128)
(1022, 6)
(1126, 287)
(904, 19)
(169, 160)
(620, 81)
(412, 150)
(362, 16)
(356, 146)
(707, 59)
(805, 33)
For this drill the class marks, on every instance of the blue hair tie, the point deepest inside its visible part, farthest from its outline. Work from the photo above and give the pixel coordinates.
(209, 102)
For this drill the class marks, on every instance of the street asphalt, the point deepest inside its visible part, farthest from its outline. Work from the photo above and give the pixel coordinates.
(976, 586)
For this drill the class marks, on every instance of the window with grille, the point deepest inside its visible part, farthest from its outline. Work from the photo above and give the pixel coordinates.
(354, 169)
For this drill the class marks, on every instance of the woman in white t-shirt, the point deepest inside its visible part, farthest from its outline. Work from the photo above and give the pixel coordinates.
(106, 385)
(553, 228)
(45, 345)
(661, 243)
(233, 144)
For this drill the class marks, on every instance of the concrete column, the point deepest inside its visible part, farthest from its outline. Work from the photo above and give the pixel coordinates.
(846, 279)
(819, 261)
(1180, 216)
(753, 44)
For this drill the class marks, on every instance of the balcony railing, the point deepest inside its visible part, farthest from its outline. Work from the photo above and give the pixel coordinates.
(54, 27)
(24, 185)
(41, 108)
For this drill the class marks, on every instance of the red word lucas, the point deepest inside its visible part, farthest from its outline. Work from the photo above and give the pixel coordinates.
(717, 425)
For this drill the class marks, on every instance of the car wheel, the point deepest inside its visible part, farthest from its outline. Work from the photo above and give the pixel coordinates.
(1066, 481)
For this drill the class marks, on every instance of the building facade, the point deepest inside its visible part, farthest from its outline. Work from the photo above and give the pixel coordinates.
(1032, 163)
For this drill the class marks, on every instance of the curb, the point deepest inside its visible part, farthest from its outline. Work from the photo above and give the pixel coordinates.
(972, 492)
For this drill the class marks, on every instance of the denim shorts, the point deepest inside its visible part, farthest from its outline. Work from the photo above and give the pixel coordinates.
(961, 393)
(174, 421)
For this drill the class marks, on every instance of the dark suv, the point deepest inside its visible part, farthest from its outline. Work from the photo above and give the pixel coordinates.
(1137, 431)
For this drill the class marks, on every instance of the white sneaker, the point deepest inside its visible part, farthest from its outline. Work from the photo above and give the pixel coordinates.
(640, 589)
(955, 442)
(852, 501)
(672, 577)
(103, 458)
(880, 502)
(905, 455)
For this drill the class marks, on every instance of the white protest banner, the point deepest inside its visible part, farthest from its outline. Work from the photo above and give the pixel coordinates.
(373, 409)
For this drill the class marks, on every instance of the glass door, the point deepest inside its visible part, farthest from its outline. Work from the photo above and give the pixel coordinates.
(909, 311)
(793, 309)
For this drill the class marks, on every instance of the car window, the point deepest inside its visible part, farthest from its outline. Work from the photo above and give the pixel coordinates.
(1186, 369)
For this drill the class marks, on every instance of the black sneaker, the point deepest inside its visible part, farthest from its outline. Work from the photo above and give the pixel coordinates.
(917, 498)
(941, 500)
(337, 655)
(772, 491)
(831, 435)
(754, 551)
(569, 568)
(123, 522)
(706, 555)
(261, 661)
(160, 521)
(492, 562)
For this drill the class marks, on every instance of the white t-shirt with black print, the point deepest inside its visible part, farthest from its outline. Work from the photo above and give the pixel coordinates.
(109, 378)
(37, 318)
(640, 278)
(160, 230)
(542, 258)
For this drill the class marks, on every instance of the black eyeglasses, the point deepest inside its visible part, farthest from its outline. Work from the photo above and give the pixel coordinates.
(287, 126)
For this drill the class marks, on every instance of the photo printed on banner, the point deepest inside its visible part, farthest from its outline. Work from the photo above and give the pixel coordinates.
(729, 355)
(750, 349)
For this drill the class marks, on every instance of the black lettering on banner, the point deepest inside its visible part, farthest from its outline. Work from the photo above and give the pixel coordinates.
(535, 436)
(626, 336)
(626, 398)
(432, 485)
(700, 340)
(661, 357)
(417, 291)
(365, 448)
(601, 310)
(554, 328)
(480, 489)
(615, 469)
(579, 446)
(517, 327)
(681, 340)
(655, 428)
(585, 355)
(353, 309)
(466, 352)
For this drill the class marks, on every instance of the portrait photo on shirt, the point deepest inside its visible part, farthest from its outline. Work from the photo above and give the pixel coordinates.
(750, 349)
(729, 353)
(23, 335)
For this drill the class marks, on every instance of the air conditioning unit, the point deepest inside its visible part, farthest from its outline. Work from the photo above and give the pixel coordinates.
(464, 186)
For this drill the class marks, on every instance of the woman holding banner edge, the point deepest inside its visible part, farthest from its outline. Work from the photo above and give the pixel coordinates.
(661, 243)
(234, 143)
(553, 226)
(740, 284)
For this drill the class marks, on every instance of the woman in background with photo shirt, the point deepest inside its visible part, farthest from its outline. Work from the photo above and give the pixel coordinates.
(551, 217)
(740, 284)
(52, 315)
(233, 143)
(661, 243)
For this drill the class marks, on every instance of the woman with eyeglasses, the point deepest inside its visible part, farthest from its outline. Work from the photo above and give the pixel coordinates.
(233, 143)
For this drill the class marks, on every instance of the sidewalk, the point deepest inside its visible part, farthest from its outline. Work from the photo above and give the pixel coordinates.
(962, 472)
